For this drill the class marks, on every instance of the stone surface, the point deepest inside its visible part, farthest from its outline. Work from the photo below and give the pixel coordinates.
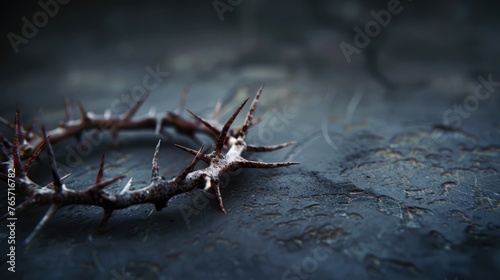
(384, 188)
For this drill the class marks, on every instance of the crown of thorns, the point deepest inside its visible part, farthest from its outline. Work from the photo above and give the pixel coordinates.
(227, 155)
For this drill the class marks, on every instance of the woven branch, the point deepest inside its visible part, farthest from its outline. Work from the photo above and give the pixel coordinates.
(227, 155)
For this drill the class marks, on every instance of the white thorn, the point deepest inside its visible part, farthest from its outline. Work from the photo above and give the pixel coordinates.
(152, 111)
(127, 186)
(159, 120)
(208, 184)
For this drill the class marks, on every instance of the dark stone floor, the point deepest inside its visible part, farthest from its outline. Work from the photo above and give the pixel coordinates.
(386, 187)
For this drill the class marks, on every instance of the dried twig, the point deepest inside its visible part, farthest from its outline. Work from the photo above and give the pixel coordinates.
(227, 155)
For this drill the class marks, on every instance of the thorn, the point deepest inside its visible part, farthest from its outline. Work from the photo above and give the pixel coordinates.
(223, 133)
(182, 102)
(114, 136)
(51, 184)
(190, 167)
(105, 218)
(217, 108)
(248, 119)
(258, 164)
(6, 143)
(152, 111)
(52, 210)
(19, 125)
(101, 171)
(160, 204)
(28, 130)
(214, 130)
(3, 149)
(127, 187)
(208, 184)
(32, 158)
(107, 114)
(55, 173)
(155, 171)
(65, 176)
(78, 137)
(136, 106)
(218, 196)
(67, 109)
(15, 147)
(8, 124)
(193, 152)
(101, 185)
(30, 127)
(85, 117)
(269, 148)
(159, 124)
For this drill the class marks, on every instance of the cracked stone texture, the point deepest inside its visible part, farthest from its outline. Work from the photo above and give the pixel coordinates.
(384, 188)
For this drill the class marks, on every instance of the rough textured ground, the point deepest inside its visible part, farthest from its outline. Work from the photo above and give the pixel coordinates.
(384, 189)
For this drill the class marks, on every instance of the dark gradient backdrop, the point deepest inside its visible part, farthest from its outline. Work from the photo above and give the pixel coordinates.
(394, 104)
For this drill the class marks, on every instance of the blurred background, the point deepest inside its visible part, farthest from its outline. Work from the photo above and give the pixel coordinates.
(394, 104)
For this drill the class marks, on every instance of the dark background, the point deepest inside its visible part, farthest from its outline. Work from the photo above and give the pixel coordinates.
(385, 183)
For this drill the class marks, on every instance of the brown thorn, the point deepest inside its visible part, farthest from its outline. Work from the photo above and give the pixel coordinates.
(15, 147)
(31, 125)
(28, 130)
(218, 196)
(105, 183)
(214, 130)
(217, 108)
(8, 124)
(78, 137)
(114, 136)
(67, 109)
(6, 143)
(182, 102)
(190, 167)
(55, 173)
(52, 210)
(223, 133)
(105, 218)
(101, 171)
(3, 149)
(258, 164)
(193, 152)
(32, 158)
(85, 117)
(136, 106)
(155, 170)
(253, 148)
(248, 119)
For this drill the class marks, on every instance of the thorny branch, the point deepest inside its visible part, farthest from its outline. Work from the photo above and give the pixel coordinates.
(227, 155)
